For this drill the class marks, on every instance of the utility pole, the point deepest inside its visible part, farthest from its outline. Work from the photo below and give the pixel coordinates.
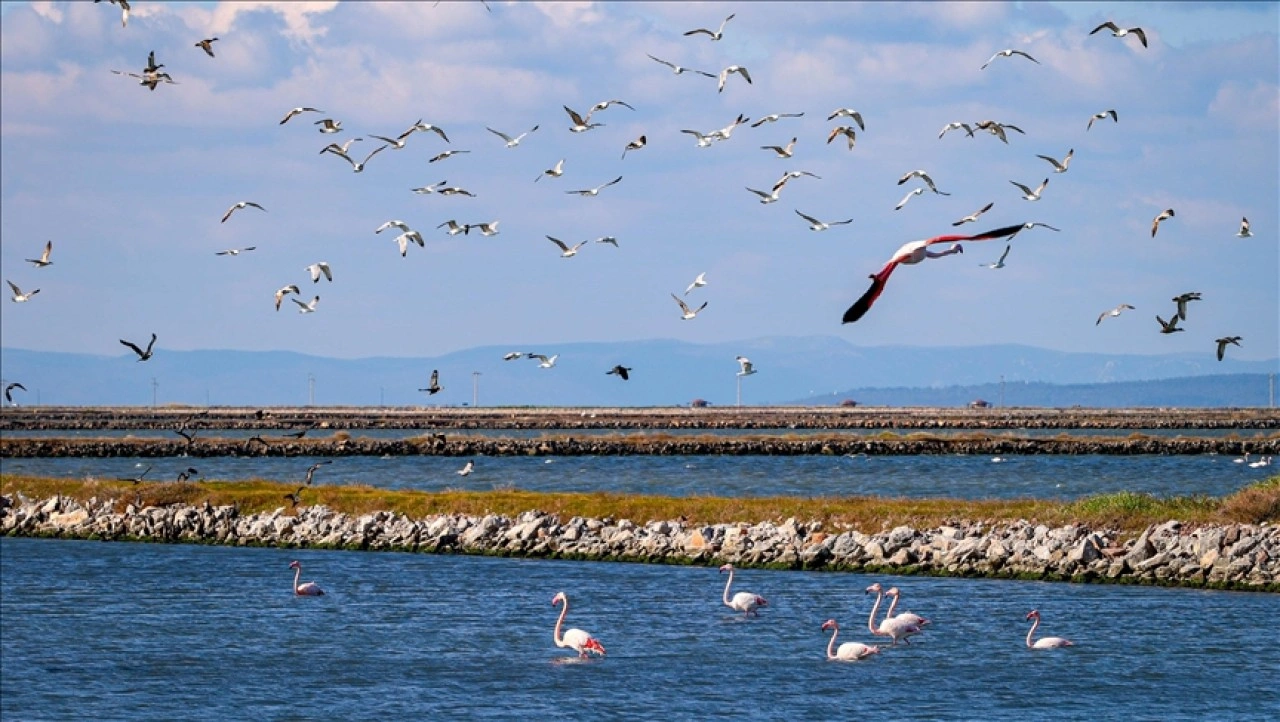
(155, 385)
(311, 389)
(475, 388)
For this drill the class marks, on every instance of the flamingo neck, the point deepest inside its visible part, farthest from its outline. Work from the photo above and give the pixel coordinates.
(871, 621)
(297, 574)
(893, 604)
(726, 588)
(556, 636)
(940, 254)
(1035, 622)
(835, 630)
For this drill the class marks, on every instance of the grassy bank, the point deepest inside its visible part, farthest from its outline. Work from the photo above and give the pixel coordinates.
(1124, 511)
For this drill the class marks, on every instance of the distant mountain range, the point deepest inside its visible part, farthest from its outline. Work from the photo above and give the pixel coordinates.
(816, 369)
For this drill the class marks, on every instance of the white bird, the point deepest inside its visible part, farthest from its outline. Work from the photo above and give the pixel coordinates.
(340, 149)
(1059, 167)
(404, 239)
(745, 367)
(999, 263)
(1113, 312)
(291, 288)
(455, 191)
(454, 228)
(1119, 32)
(847, 131)
(719, 33)
(1028, 194)
(780, 151)
(1034, 224)
(297, 111)
(1264, 461)
(393, 224)
(848, 113)
(1008, 53)
(555, 171)
(744, 602)
(1244, 229)
(486, 229)
(973, 216)
(1045, 642)
(725, 132)
(703, 140)
(580, 124)
(590, 192)
(698, 282)
(817, 225)
(359, 167)
(907, 197)
(43, 260)
(318, 268)
(608, 239)
(467, 469)
(1164, 215)
(424, 127)
(771, 197)
(636, 144)
(124, 11)
(956, 126)
(994, 128)
(686, 313)
(18, 295)
(238, 206)
(544, 361)
(1102, 116)
(576, 639)
(566, 251)
(512, 142)
(397, 143)
(773, 118)
(604, 105)
(447, 154)
(678, 69)
(724, 75)
(429, 189)
(329, 125)
(308, 307)
(922, 175)
(235, 251)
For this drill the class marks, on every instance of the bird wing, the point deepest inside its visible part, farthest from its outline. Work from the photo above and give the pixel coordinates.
(1024, 189)
(683, 306)
(811, 219)
(1028, 57)
(660, 60)
(615, 180)
(573, 115)
(324, 268)
(1005, 254)
(1222, 347)
(126, 343)
(1141, 35)
(501, 135)
(745, 75)
(558, 242)
(700, 30)
(152, 343)
(1108, 25)
(906, 198)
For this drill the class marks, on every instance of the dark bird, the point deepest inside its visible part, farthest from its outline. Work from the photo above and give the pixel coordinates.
(311, 470)
(8, 391)
(135, 479)
(297, 434)
(1119, 32)
(142, 355)
(1170, 326)
(1181, 300)
(43, 260)
(207, 44)
(295, 498)
(190, 472)
(434, 387)
(258, 438)
(190, 436)
(619, 370)
(1222, 344)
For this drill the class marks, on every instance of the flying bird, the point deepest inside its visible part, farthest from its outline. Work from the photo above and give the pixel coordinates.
(724, 75)
(404, 239)
(770, 197)
(311, 470)
(340, 149)
(544, 361)
(817, 225)
(973, 216)
(455, 191)
(773, 118)
(395, 224)
(999, 263)
(703, 140)
(429, 189)
(719, 33)
(580, 124)
(922, 175)
(207, 44)
(608, 239)
(1008, 53)
(1113, 312)
(745, 367)
(907, 197)
(911, 253)
(308, 307)
(235, 251)
(1222, 347)
(554, 171)
(678, 69)
(636, 144)
(1033, 224)
(698, 282)
(1164, 215)
(512, 142)
(1182, 300)
(566, 251)
(994, 128)
(725, 132)
(1102, 116)
(624, 371)
(512, 356)
(1028, 194)
(18, 295)
(1243, 233)
(781, 152)
(1119, 32)
(283, 292)
(397, 143)
(595, 191)
(434, 386)
(298, 111)
(686, 313)
(956, 126)
(848, 113)
(238, 206)
(1170, 326)
(425, 127)
(317, 268)
(359, 167)
(486, 229)
(142, 355)
(43, 260)
(1059, 167)
(447, 154)
(454, 228)
(295, 498)
(329, 125)
(847, 131)
(604, 105)
(124, 10)
(8, 390)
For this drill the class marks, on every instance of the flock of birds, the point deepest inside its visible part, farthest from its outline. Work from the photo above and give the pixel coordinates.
(894, 627)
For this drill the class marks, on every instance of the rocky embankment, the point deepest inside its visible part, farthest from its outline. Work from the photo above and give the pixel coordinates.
(1237, 556)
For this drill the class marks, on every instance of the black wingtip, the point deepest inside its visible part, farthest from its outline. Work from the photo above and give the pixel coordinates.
(863, 304)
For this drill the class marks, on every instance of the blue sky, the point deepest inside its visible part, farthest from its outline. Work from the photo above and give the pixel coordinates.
(130, 184)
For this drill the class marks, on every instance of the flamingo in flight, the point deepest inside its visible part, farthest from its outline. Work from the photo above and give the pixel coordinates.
(309, 589)
(849, 651)
(575, 639)
(1045, 642)
(911, 253)
(744, 602)
(895, 628)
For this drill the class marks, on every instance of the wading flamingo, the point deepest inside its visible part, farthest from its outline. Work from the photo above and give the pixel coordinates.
(914, 252)
(908, 617)
(1047, 642)
(849, 651)
(310, 589)
(575, 639)
(893, 628)
(744, 602)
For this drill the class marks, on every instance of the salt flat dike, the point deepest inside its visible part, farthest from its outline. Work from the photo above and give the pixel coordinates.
(1235, 556)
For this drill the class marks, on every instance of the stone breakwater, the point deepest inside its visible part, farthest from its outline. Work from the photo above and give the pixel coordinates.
(629, 445)
(1236, 556)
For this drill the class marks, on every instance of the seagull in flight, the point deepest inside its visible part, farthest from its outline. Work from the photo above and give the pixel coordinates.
(544, 361)
(329, 125)
(636, 144)
(1059, 167)
(624, 371)
(817, 225)
(394, 224)
(512, 356)
(18, 295)
(922, 175)
(1113, 312)
(404, 239)
(8, 390)
(686, 313)
(956, 126)
(397, 143)
(999, 263)
(1028, 194)
(235, 251)
(994, 128)
(1222, 348)
(907, 197)
(1033, 224)
(311, 470)
(973, 216)
(359, 167)
(912, 253)
(309, 307)
(1164, 215)
(554, 171)
(207, 45)
(848, 113)
(719, 33)
(424, 127)
(678, 69)
(1008, 53)
(725, 132)
(580, 124)
(1170, 326)
(434, 386)
(847, 131)
(512, 142)
(608, 239)
(299, 111)
(317, 268)
(771, 197)
(781, 151)
(486, 229)
(595, 191)
(446, 154)
(340, 149)
(142, 355)
(238, 206)
(1243, 233)
(1102, 116)
(466, 470)
(124, 11)
(724, 75)
(429, 189)
(773, 118)
(291, 288)
(454, 228)
(43, 260)
(698, 282)
(566, 251)
(745, 367)
(604, 105)
(1182, 300)
(1119, 32)
(703, 140)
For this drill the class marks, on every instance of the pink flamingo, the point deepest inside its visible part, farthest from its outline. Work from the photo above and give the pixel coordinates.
(849, 651)
(1046, 642)
(744, 602)
(310, 589)
(890, 627)
(575, 639)
(908, 617)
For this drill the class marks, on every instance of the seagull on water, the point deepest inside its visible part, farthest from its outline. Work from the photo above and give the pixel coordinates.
(848, 113)
(446, 154)
(1102, 116)
(922, 175)
(329, 125)
(1028, 194)
(434, 386)
(817, 225)
(745, 367)
(636, 144)
(1008, 53)
(580, 124)
(308, 307)
(544, 361)
(1113, 312)
(678, 69)
(235, 251)
(238, 206)
(566, 251)
(1182, 299)
(1222, 344)
(512, 142)
(686, 313)
(781, 152)
(973, 216)
(207, 45)
(591, 192)
(486, 229)
(291, 288)
(719, 33)
(907, 197)
(773, 118)
(142, 355)
(1170, 326)
(1059, 167)
(43, 260)
(999, 263)
(298, 111)
(698, 282)
(320, 267)
(1164, 215)
(956, 126)
(620, 371)
(555, 171)
(847, 131)
(1119, 32)
(18, 295)
(359, 167)
(1243, 233)
(724, 75)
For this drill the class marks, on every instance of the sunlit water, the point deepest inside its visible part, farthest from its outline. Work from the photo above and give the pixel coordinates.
(114, 631)
(952, 476)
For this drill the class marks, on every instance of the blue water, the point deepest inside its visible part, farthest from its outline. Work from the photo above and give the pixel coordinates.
(112, 631)
(922, 476)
